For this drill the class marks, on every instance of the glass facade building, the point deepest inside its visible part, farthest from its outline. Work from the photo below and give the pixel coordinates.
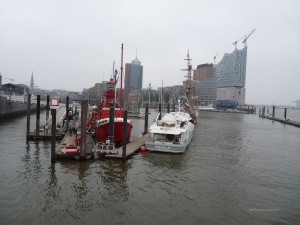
(231, 76)
(231, 70)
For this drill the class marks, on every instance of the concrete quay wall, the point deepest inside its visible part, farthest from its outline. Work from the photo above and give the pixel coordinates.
(13, 108)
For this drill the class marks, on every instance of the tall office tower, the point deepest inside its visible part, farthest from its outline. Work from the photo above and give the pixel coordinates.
(133, 79)
(231, 76)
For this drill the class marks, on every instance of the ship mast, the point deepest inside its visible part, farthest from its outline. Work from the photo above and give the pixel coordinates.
(189, 74)
(189, 89)
(121, 100)
(189, 77)
(115, 81)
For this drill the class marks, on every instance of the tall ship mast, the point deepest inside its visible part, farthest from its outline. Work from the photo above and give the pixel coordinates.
(189, 92)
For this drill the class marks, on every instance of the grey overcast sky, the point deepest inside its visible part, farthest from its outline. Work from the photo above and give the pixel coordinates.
(71, 44)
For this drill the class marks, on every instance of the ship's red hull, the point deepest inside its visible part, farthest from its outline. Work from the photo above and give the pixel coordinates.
(102, 132)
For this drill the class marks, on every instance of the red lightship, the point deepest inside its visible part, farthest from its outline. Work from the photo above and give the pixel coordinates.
(99, 119)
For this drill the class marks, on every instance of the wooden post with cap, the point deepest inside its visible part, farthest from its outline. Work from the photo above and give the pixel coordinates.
(28, 116)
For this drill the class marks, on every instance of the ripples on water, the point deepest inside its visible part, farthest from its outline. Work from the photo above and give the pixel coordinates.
(239, 169)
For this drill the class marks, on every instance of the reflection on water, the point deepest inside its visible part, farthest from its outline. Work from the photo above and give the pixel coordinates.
(114, 179)
(168, 161)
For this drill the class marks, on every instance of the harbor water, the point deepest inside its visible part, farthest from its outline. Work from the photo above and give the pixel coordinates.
(238, 169)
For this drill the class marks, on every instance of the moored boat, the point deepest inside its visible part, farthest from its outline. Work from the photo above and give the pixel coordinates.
(99, 121)
(171, 134)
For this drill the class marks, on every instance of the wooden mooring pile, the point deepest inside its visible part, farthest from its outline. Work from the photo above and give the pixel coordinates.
(285, 120)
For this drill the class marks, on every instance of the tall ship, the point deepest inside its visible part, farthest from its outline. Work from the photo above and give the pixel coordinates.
(100, 116)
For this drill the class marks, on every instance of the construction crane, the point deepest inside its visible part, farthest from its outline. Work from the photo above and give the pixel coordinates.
(215, 57)
(235, 43)
(247, 36)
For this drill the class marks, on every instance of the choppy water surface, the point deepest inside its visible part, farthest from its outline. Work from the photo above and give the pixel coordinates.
(239, 169)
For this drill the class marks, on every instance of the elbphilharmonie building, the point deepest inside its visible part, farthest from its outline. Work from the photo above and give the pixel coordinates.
(231, 70)
(223, 81)
(231, 76)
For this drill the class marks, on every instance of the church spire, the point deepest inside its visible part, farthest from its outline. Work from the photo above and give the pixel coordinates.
(32, 82)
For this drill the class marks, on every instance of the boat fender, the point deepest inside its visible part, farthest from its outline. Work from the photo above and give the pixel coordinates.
(143, 148)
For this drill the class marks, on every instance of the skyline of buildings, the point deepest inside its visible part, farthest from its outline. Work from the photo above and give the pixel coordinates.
(222, 81)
